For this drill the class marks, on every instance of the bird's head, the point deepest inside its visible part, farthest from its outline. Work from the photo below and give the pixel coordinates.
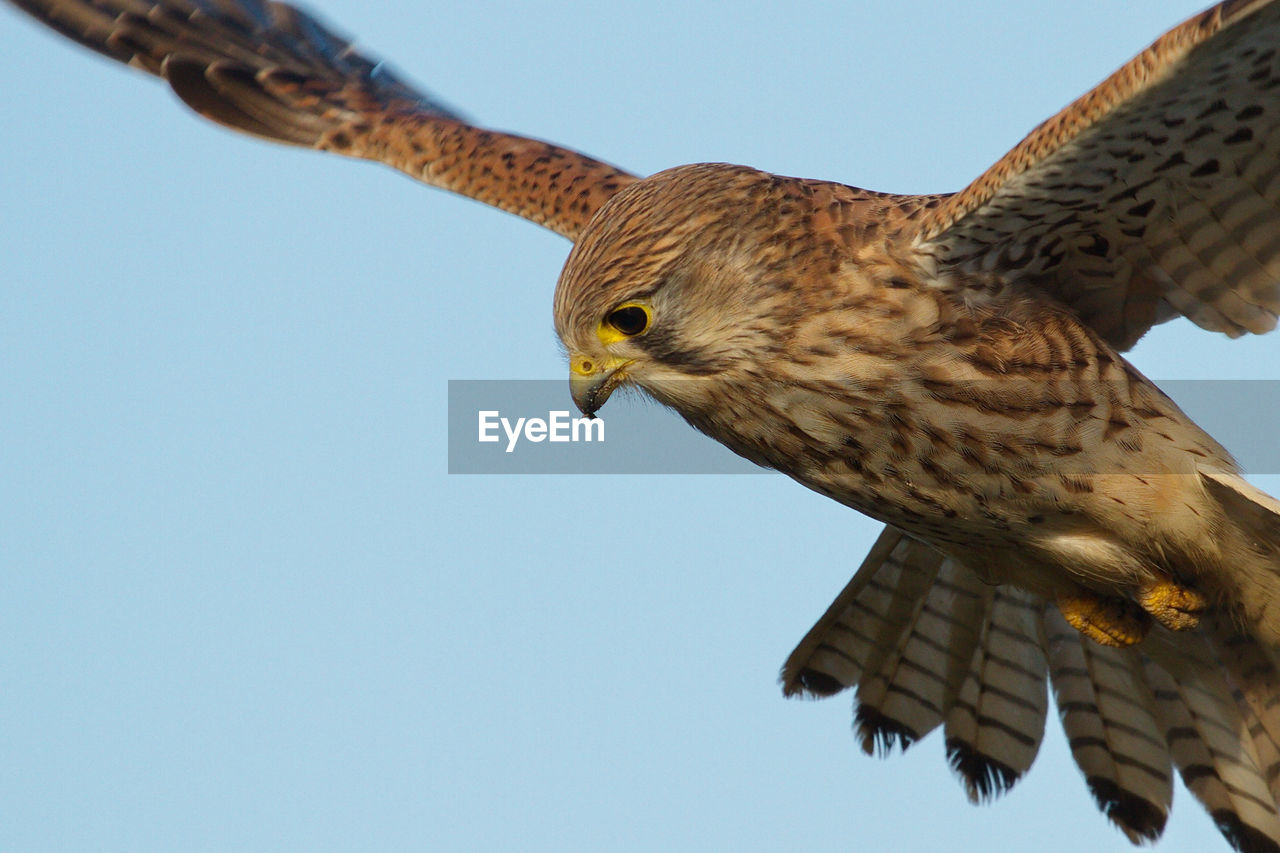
(668, 288)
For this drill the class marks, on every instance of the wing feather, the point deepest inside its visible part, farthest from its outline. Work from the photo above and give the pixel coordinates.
(273, 71)
(1153, 195)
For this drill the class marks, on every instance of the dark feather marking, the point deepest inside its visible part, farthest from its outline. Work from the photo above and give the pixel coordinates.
(1127, 810)
(817, 683)
(879, 734)
(1242, 837)
(984, 776)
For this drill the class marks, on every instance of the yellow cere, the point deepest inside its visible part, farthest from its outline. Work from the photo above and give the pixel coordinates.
(583, 365)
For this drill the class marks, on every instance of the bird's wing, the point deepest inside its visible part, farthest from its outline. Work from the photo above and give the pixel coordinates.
(1155, 194)
(273, 71)
(925, 643)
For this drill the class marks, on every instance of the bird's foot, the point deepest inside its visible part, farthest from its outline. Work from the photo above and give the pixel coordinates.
(1107, 621)
(1174, 606)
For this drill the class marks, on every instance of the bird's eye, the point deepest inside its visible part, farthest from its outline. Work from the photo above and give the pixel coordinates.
(630, 320)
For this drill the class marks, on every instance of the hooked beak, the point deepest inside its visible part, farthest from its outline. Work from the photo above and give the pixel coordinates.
(591, 382)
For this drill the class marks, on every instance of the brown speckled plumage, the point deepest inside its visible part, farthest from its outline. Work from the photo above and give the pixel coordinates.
(1153, 195)
(274, 71)
(948, 364)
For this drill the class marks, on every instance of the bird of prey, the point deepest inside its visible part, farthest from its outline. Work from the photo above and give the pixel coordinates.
(948, 364)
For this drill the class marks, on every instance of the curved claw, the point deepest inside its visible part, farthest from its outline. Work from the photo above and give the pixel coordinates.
(1107, 621)
(1174, 606)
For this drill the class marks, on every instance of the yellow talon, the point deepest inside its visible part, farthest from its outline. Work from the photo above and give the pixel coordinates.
(1106, 621)
(1176, 607)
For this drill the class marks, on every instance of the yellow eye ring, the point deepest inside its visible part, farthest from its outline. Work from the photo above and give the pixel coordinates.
(629, 319)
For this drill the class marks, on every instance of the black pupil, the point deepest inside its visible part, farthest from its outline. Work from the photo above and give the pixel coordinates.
(630, 320)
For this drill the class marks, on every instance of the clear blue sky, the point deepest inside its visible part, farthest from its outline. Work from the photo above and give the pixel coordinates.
(243, 605)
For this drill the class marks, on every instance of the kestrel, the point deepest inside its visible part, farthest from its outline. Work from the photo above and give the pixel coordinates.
(947, 364)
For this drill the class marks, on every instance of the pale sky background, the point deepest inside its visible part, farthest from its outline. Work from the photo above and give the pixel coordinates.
(243, 605)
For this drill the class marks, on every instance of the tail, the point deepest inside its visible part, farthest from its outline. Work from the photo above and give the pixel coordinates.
(926, 644)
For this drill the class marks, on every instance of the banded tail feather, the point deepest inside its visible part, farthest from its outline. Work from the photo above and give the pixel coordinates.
(1108, 716)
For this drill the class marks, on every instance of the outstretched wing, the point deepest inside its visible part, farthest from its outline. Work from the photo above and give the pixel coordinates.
(272, 70)
(927, 645)
(1155, 194)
